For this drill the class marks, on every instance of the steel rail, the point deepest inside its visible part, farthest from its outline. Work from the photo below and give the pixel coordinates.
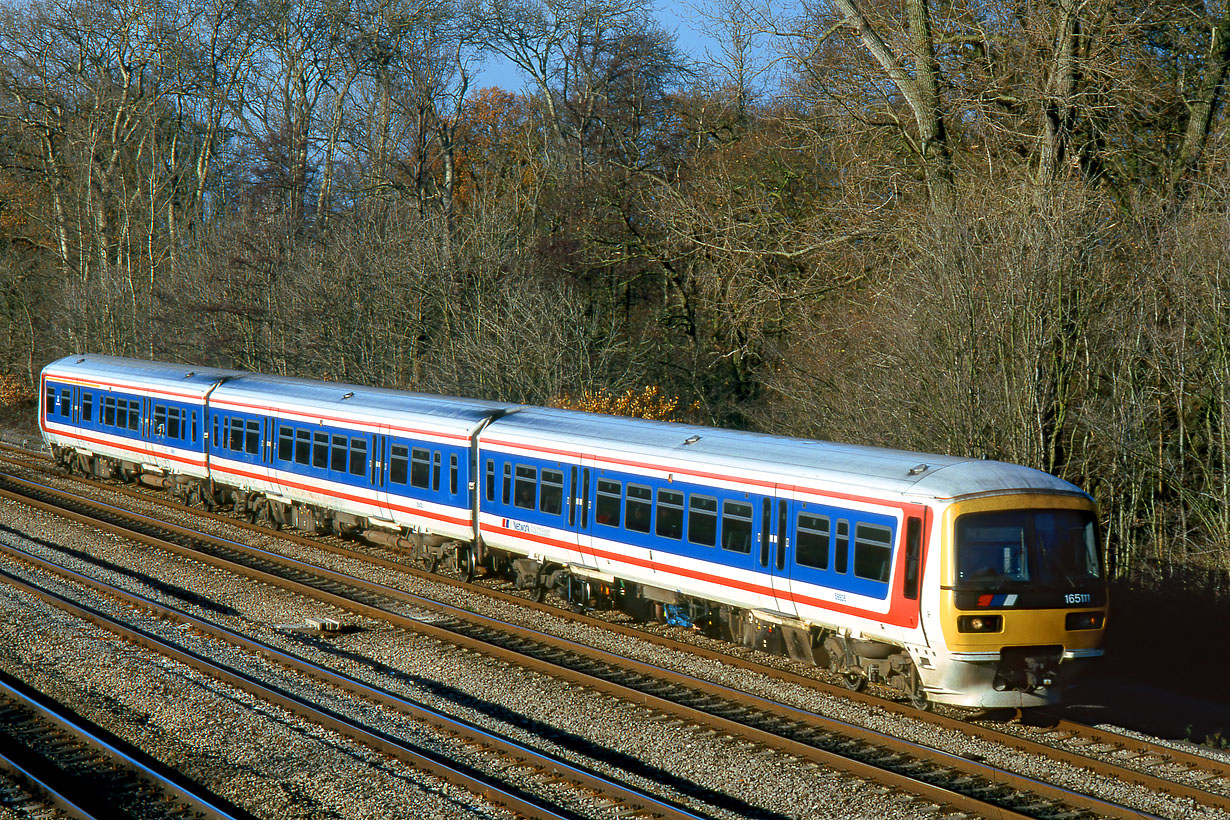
(457, 776)
(1206, 765)
(550, 764)
(52, 793)
(139, 764)
(968, 768)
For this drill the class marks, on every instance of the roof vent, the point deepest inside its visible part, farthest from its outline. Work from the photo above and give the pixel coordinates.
(918, 470)
(691, 440)
(348, 395)
(189, 374)
(82, 359)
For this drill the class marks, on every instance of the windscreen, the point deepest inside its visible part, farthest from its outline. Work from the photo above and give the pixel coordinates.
(1044, 549)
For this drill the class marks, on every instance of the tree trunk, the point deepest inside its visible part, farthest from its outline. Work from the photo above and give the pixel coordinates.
(1058, 110)
(1201, 109)
(921, 91)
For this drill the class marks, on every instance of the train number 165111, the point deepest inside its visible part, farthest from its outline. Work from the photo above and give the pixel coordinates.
(1076, 598)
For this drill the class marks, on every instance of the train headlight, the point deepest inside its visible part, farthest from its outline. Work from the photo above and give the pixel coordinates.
(980, 623)
(1084, 620)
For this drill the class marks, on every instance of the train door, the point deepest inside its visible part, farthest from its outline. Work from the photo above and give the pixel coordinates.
(259, 441)
(378, 474)
(583, 494)
(159, 434)
(145, 434)
(774, 558)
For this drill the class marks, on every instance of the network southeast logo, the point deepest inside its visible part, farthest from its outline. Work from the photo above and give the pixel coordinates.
(522, 526)
(996, 600)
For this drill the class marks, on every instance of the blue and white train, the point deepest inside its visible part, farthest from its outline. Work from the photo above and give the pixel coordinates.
(959, 581)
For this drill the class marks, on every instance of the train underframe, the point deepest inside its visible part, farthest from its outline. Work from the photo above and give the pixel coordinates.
(855, 662)
(1019, 679)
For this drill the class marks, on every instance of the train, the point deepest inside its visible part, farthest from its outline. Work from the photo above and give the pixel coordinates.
(967, 582)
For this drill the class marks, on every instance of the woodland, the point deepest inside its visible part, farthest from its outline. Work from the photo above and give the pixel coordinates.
(992, 228)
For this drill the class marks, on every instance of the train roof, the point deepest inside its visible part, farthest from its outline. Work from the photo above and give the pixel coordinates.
(367, 405)
(112, 371)
(706, 449)
(766, 457)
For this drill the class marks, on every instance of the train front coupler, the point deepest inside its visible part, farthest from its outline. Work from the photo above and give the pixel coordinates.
(1028, 668)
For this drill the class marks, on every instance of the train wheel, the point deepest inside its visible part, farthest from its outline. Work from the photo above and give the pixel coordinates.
(540, 587)
(466, 565)
(918, 695)
(853, 681)
(263, 517)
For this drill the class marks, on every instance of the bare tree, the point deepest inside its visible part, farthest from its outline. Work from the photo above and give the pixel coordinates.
(1203, 105)
(589, 60)
(904, 52)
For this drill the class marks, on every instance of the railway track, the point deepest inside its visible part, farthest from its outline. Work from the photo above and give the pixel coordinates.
(967, 785)
(58, 762)
(521, 804)
(1154, 766)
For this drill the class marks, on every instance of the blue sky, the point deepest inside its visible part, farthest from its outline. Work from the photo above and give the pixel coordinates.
(679, 18)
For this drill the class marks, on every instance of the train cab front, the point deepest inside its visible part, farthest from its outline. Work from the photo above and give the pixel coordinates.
(1024, 604)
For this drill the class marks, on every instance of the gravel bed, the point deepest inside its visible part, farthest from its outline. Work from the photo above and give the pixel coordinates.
(840, 708)
(674, 738)
(578, 723)
(255, 755)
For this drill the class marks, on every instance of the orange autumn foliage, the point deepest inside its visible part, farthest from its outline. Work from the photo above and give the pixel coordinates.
(647, 403)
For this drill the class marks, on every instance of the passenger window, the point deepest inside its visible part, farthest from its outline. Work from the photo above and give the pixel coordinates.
(66, 403)
(873, 551)
(194, 425)
(670, 514)
(811, 543)
(217, 442)
(108, 411)
(913, 554)
(160, 419)
(507, 494)
(236, 436)
(702, 520)
(766, 510)
(783, 539)
(583, 499)
(435, 471)
(737, 527)
(358, 456)
(551, 499)
(286, 443)
(49, 403)
(175, 425)
(452, 474)
(843, 545)
(252, 441)
(87, 406)
(320, 450)
(134, 414)
(337, 462)
(526, 487)
(303, 446)
(491, 480)
(572, 497)
(399, 463)
(610, 497)
(638, 508)
(420, 468)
